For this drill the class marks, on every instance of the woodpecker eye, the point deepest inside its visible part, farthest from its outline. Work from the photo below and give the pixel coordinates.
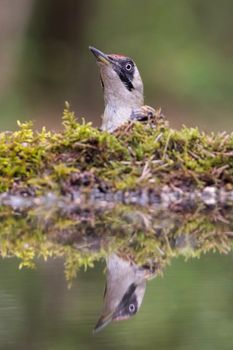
(128, 66)
(132, 308)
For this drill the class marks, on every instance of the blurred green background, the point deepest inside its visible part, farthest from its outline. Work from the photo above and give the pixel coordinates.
(183, 48)
(191, 307)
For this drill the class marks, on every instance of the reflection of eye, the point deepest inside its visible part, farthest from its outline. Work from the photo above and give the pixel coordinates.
(128, 66)
(131, 308)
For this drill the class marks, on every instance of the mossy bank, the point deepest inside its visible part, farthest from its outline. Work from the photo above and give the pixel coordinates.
(138, 159)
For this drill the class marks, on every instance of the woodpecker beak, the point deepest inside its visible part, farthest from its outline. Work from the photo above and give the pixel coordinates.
(102, 322)
(100, 56)
(105, 320)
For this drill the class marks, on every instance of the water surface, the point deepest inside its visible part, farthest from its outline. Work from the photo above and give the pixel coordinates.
(55, 299)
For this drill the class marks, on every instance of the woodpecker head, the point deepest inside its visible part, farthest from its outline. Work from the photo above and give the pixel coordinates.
(120, 80)
(124, 290)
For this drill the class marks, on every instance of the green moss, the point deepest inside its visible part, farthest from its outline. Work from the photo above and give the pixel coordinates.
(44, 159)
(81, 159)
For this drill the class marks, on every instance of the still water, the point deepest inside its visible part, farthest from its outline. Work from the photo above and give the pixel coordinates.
(190, 307)
(55, 299)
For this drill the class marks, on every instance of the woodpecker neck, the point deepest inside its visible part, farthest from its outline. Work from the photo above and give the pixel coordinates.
(119, 106)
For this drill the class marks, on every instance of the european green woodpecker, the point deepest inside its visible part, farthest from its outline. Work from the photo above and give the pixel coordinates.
(123, 90)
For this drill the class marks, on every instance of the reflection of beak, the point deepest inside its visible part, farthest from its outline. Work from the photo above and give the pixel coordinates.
(100, 56)
(102, 322)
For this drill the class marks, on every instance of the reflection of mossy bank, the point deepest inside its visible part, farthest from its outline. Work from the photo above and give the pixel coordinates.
(83, 236)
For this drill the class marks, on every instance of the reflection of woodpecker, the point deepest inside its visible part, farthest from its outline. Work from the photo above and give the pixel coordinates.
(123, 90)
(124, 290)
